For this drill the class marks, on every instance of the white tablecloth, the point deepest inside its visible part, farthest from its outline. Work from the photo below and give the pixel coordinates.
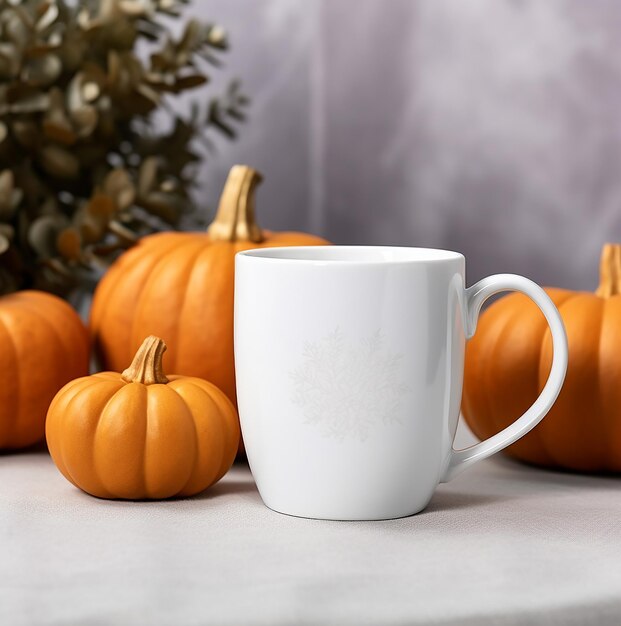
(501, 544)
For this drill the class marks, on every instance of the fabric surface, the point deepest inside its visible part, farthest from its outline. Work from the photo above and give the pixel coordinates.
(501, 544)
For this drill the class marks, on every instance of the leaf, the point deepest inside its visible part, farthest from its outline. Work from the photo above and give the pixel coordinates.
(7, 181)
(189, 82)
(147, 92)
(56, 125)
(5, 243)
(191, 36)
(43, 232)
(119, 186)
(160, 80)
(147, 175)
(164, 60)
(236, 114)
(168, 206)
(149, 29)
(59, 132)
(135, 8)
(57, 266)
(21, 13)
(16, 29)
(34, 103)
(101, 206)
(74, 97)
(124, 233)
(59, 162)
(8, 231)
(26, 133)
(216, 118)
(169, 8)
(217, 37)
(10, 197)
(9, 52)
(114, 67)
(90, 91)
(48, 16)
(42, 71)
(169, 185)
(68, 243)
(91, 230)
(92, 220)
(85, 118)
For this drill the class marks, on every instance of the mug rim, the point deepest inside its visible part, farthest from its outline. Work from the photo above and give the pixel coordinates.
(320, 255)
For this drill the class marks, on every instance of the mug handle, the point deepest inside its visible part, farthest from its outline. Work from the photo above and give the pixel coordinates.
(475, 297)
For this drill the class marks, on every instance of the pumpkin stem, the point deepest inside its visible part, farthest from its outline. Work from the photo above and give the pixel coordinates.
(146, 368)
(235, 220)
(610, 271)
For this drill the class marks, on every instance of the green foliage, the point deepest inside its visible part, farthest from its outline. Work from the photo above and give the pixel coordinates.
(83, 171)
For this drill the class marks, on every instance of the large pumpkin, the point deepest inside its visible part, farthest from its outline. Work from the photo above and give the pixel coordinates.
(43, 345)
(141, 434)
(179, 286)
(508, 361)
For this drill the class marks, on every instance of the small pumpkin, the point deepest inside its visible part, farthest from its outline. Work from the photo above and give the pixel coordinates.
(179, 286)
(43, 345)
(142, 435)
(508, 361)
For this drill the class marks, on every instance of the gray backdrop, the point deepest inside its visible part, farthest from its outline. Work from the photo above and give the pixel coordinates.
(490, 126)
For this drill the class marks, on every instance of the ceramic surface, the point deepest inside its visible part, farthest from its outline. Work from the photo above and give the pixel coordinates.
(349, 364)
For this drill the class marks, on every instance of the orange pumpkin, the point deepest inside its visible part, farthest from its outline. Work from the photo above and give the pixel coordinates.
(139, 434)
(43, 344)
(508, 361)
(179, 286)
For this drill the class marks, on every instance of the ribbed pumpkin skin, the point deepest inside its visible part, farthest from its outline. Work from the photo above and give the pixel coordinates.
(178, 286)
(122, 440)
(508, 361)
(43, 344)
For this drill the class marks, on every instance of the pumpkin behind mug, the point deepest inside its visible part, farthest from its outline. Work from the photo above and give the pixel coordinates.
(43, 345)
(179, 286)
(508, 361)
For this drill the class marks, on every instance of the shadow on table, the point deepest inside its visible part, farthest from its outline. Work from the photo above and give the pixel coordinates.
(38, 448)
(501, 479)
(228, 488)
(552, 474)
(448, 501)
(523, 479)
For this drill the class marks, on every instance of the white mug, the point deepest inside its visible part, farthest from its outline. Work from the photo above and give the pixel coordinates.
(349, 364)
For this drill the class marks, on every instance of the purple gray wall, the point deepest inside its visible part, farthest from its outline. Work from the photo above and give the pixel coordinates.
(492, 127)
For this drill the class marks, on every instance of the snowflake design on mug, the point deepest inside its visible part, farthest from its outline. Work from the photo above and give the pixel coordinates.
(345, 388)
